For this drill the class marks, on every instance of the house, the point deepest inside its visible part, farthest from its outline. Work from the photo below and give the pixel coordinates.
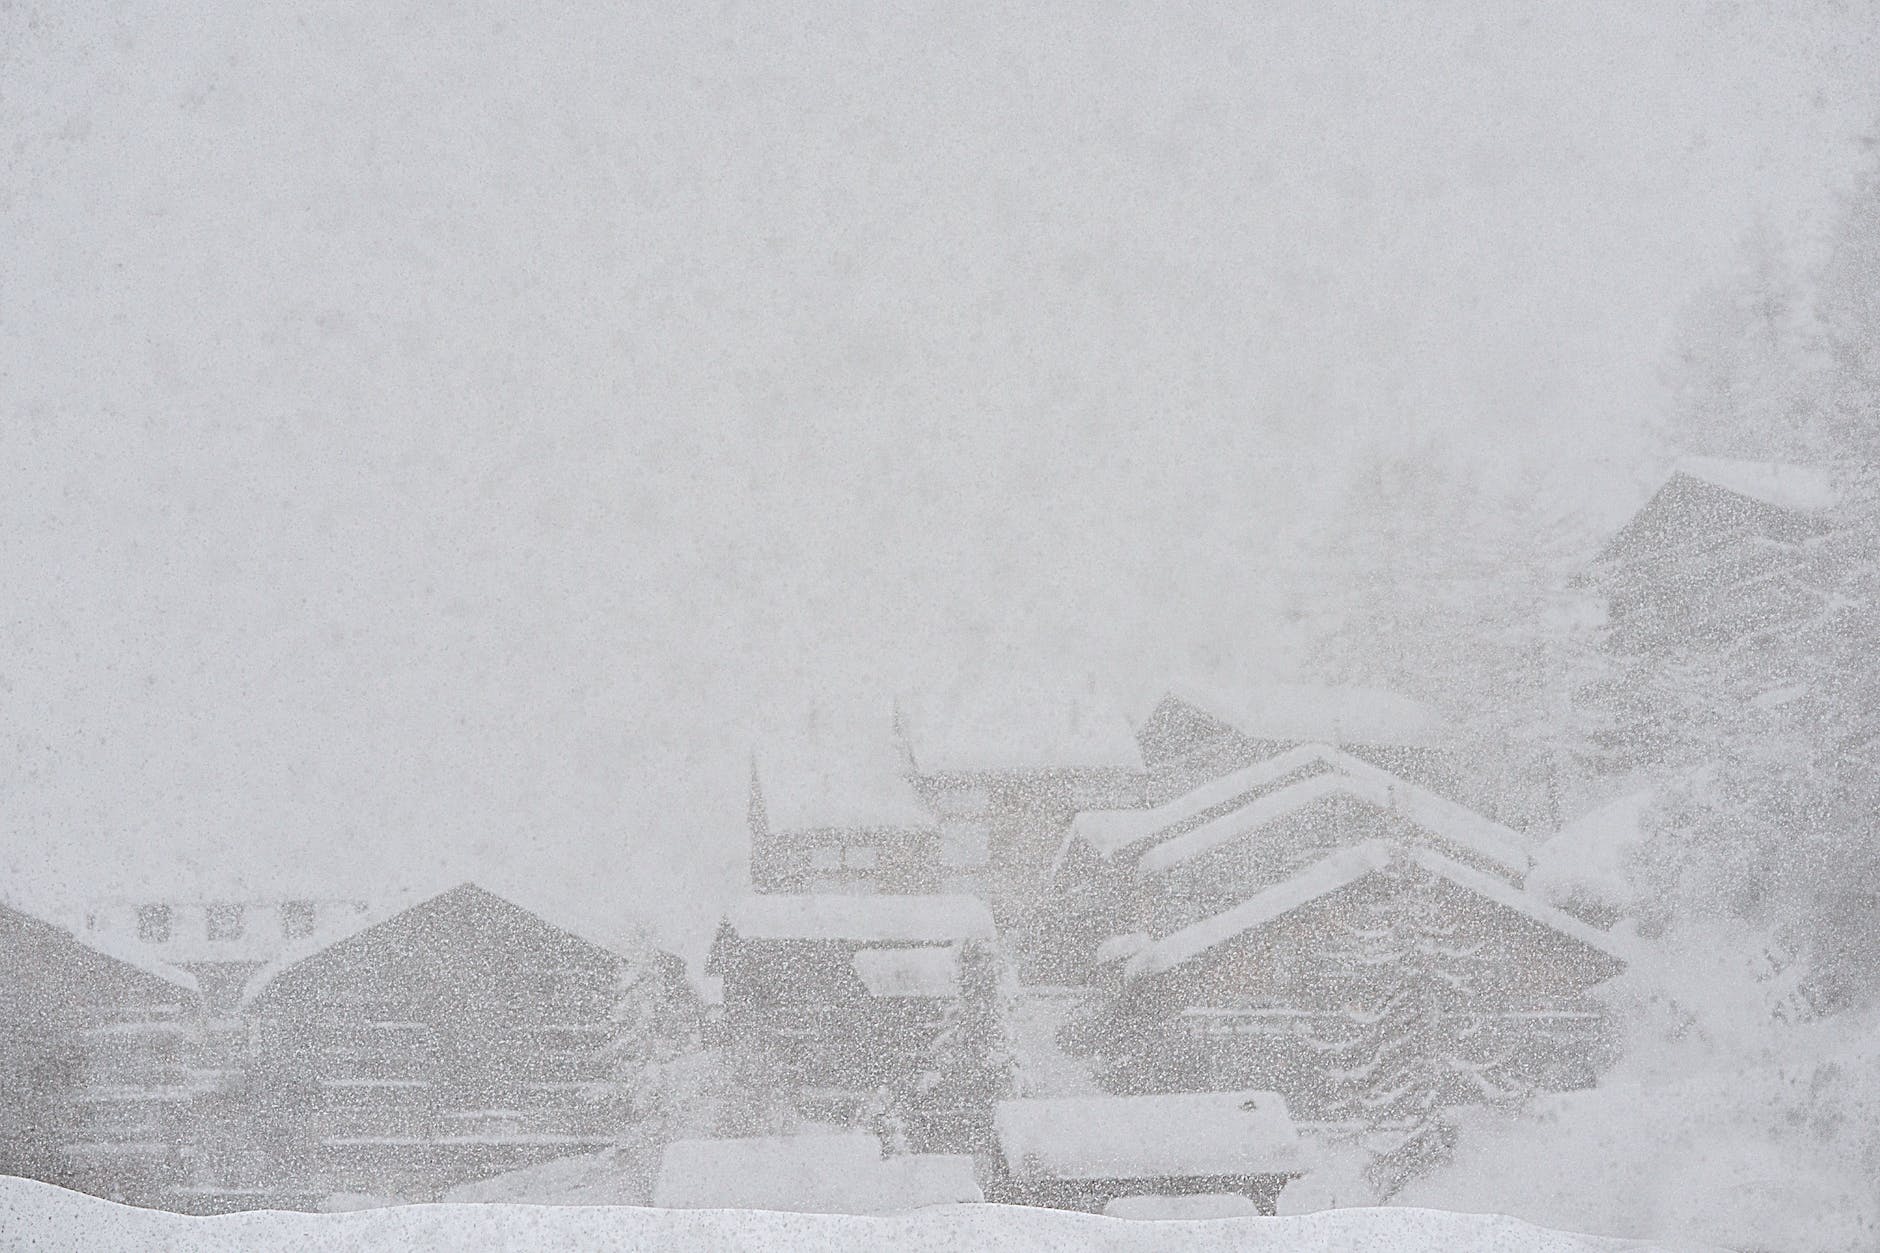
(1718, 548)
(1089, 1153)
(446, 1038)
(1303, 986)
(1198, 732)
(96, 1041)
(1159, 868)
(833, 810)
(1006, 763)
(1740, 569)
(832, 998)
(810, 1174)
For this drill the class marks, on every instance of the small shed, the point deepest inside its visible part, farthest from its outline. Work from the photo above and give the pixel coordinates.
(1084, 1153)
(810, 1174)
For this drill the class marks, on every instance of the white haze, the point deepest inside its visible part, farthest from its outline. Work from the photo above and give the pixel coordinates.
(433, 437)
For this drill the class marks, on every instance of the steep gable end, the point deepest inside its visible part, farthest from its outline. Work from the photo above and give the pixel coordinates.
(1605, 954)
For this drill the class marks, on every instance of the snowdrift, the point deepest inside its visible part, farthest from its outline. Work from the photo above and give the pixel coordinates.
(46, 1219)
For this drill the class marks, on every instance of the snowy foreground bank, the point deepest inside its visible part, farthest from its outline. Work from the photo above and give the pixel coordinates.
(46, 1219)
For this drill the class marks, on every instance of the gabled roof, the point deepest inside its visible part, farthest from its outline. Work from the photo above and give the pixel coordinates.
(864, 918)
(1699, 495)
(1339, 714)
(402, 903)
(1346, 775)
(1179, 1135)
(1340, 870)
(124, 952)
(1109, 831)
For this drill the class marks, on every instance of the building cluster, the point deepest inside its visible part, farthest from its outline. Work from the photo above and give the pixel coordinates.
(1013, 945)
(229, 1056)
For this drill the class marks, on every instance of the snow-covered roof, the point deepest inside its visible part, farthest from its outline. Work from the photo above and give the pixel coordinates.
(1171, 1136)
(904, 919)
(840, 1174)
(1109, 831)
(829, 773)
(124, 952)
(1019, 724)
(1799, 488)
(1303, 711)
(1337, 871)
(1348, 776)
(930, 970)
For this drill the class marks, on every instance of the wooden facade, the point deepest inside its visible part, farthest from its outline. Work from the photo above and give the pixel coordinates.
(459, 1038)
(1268, 1000)
(98, 1049)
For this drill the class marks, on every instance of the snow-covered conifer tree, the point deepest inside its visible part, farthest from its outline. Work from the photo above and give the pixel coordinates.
(1407, 1043)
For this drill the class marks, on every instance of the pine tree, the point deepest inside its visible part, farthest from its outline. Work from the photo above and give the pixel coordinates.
(946, 1103)
(1448, 579)
(1406, 1045)
(648, 1033)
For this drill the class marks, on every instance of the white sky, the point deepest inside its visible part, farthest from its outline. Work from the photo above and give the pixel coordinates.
(428, 439)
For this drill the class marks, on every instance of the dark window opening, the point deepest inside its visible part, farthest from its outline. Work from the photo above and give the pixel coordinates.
(153, 923)
(225, 921)
(296, 919)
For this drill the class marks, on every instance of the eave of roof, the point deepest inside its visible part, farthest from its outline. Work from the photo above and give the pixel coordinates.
(1338, 871)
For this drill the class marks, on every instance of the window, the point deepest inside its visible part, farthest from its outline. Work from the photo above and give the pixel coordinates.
(296, 919)
(827, 857)
(861, 858)
(225, 921)
(153, 923)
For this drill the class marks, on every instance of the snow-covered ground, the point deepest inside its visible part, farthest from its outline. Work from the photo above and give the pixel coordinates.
(46, 1219)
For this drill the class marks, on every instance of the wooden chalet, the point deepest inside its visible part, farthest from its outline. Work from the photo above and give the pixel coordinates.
(448, 1039)
(1275, 991)
(833, 998)
(97, 1042)
(1087, 1153)
(1718, 551)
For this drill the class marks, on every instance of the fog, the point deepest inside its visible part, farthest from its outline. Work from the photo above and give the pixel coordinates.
(437, 440)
